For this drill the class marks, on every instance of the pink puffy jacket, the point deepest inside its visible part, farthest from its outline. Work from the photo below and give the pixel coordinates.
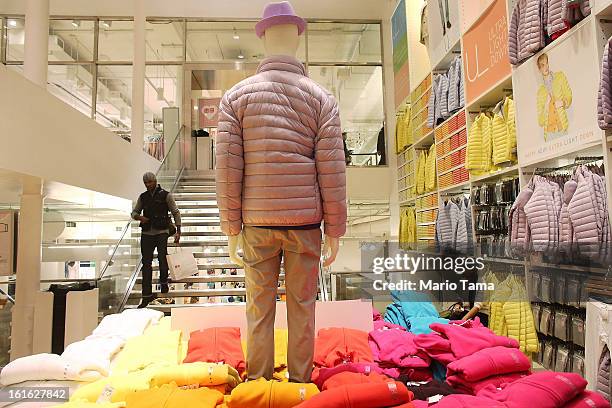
(279, 152)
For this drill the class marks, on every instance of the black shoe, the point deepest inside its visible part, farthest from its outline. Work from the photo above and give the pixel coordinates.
(448, 25)
(165, 288)
(145, 302)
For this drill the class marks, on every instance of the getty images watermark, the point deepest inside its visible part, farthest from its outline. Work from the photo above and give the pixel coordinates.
(435, 273)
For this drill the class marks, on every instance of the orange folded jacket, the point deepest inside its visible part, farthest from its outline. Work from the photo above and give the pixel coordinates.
(338, 345)
(373, 395)
(270, 394)
(217, 344)
(171, 396)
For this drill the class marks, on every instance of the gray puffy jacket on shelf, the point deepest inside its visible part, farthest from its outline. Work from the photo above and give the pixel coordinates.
(604, 95)
(526, 36)
(446, 226)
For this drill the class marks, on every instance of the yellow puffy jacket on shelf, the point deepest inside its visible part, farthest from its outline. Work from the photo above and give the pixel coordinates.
(403, 131)
(478, 155)
(407, 233)
(430, 169)
(420, 169)
(503, 131)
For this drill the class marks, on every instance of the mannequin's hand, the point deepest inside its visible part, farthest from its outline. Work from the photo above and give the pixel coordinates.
(330, 250)
(234, 242)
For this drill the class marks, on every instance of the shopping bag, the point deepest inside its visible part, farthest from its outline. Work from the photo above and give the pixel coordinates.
(182, 264)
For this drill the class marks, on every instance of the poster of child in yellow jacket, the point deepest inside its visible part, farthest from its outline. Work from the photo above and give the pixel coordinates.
(554, 99)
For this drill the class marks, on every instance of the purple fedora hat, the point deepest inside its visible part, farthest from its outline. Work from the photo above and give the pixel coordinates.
(279, 13)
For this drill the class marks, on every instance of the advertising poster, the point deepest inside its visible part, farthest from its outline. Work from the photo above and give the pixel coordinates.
(208, 109)
(485, 51)
(444, 28)
(7, 234)
(556, 98)
(400, 53)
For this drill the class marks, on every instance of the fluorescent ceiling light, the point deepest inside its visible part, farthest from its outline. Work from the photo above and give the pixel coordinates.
(76, 23)
(12, 23)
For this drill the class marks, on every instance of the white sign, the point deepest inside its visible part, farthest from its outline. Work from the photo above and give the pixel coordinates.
(556, 98)
(7, 234)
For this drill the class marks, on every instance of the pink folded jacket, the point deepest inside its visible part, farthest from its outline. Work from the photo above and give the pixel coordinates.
(394, 347)
(473, 388)
(545, 389)
(320, 375)
(452, 342)
(381, 324)
(588, 399)
(413, 374)
(488, 362)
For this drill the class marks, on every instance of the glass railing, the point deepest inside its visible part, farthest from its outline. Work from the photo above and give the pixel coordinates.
(120, 271)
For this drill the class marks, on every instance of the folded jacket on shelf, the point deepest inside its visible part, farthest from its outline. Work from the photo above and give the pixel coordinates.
(489, 362)
(117, 387)
(320, 375)
(396, 348)
(474, 387)
(412, 310)
(157, 348)
(452, 342)
(217, 344)
(171, 396)
(588, 399)
(129, 323)
(198, 373)
(337, 345)
(371, 395)
(51, 367)
(545, 389)
(270, 394)
(348, 378)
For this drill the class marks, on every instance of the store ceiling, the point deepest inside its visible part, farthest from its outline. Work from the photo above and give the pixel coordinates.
(207, 9)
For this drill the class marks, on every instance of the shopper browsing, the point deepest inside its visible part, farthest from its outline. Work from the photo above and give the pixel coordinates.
(280, 172)
(156, 227)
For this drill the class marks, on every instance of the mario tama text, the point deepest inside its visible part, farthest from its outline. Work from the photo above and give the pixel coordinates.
(413, 264)
(430, 284)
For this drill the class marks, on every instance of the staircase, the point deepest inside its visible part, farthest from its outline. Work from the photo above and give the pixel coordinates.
(219, 281)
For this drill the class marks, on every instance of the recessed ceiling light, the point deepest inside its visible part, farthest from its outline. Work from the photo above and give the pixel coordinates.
(240, 55)
(76, 23)
(12, 23)
(235, 36)
(107, 23)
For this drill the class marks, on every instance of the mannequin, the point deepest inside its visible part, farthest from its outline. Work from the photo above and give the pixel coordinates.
(283, 39)
(280, 176)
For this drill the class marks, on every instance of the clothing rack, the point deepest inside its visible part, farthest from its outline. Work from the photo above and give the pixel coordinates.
(580, 160)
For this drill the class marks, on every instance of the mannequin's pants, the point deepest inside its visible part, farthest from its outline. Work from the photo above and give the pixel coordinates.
(263, 250)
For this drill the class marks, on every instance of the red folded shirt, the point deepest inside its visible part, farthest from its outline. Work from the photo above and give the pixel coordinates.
(373, 395)
(320, 375)
(335, 345)
(348, 378)
(217, 344)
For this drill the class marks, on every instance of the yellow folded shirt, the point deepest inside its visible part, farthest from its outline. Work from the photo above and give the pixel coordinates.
(270, 394)
(171, 396)
(116, 386)
(157, 348)
(202, 374)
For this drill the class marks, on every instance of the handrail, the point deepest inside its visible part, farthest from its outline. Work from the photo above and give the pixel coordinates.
(134, 276)
(9, 297)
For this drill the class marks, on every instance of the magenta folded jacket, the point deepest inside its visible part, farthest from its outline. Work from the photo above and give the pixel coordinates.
(452, 342)
(394, 347)
(474, 387)
(381, 324)
(319, 376)
(489, 362)
(588, 399)
(542, 390)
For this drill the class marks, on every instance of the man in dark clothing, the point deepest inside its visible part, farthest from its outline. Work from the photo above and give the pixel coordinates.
(155, 223)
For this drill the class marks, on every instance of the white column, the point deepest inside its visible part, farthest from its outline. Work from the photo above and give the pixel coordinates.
(138, 73)
(29, 256)
(36, 41)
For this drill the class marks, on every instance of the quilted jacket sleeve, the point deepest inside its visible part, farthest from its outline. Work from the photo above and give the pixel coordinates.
(230, 168)
(512, 37)
(331, 169)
